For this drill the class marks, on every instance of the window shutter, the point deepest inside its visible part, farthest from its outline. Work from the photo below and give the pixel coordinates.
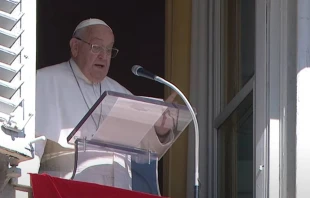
(17, 88)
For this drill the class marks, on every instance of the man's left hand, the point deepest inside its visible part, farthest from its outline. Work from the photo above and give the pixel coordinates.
(166, 122)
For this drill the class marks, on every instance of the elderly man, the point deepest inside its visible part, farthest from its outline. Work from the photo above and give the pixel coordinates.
(65, 92)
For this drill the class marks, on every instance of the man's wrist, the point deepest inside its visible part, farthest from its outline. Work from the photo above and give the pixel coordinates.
(163, 136)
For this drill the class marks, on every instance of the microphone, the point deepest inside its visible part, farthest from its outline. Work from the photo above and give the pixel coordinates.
(140, 71)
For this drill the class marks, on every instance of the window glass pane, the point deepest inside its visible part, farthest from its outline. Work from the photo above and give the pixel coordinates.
(247, 40)
(238, 46)
(235, 153)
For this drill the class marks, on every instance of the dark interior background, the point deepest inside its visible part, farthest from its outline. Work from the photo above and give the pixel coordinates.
(139, 29)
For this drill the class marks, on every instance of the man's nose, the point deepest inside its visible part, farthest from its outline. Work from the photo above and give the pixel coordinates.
(103, 55)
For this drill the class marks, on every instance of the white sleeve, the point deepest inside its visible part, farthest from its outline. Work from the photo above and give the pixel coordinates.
(152, 142)
(47, 111)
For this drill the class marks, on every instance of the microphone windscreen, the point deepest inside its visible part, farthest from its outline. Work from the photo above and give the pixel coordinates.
(135, 69)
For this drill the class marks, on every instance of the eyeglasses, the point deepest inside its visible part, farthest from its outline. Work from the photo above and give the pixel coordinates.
(96, 49)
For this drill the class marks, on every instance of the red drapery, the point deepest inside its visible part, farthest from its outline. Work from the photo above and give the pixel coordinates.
(45, 186)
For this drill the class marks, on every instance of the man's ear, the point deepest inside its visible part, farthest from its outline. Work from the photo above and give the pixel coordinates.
(74, 47)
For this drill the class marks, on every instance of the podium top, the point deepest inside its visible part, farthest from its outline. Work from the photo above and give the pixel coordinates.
(133, 121)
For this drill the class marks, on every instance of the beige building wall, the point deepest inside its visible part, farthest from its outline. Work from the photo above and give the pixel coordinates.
(178, 45)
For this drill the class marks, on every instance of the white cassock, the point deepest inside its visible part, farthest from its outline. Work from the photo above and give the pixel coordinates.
(59, 108)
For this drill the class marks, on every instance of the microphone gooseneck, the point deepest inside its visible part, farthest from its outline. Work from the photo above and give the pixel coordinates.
(139, 71)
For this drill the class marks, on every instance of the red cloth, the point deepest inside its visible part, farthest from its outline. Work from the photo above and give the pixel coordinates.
(45, 186)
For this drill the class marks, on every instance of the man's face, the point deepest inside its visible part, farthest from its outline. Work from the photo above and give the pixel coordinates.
(94, 66)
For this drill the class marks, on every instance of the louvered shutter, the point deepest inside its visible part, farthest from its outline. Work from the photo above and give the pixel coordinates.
(17, 82)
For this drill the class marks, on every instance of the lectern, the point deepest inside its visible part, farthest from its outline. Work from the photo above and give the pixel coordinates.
(132, 132)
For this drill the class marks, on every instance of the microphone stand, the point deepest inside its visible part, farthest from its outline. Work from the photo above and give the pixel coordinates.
(163, 81)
